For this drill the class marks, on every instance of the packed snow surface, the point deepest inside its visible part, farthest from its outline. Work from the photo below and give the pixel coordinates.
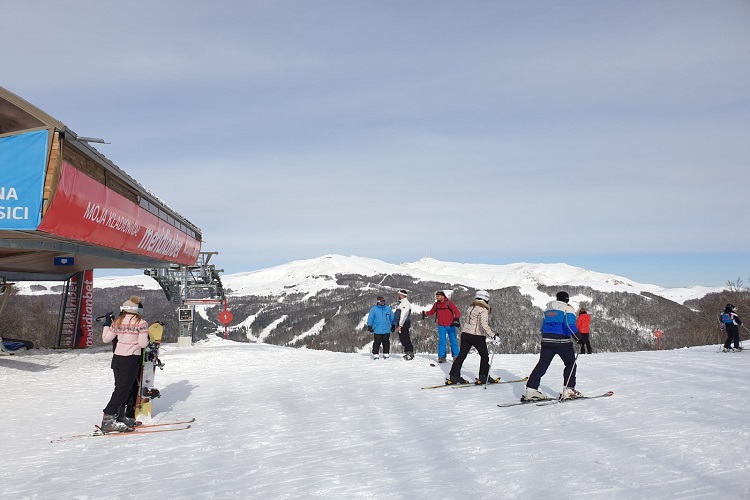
(277, 422)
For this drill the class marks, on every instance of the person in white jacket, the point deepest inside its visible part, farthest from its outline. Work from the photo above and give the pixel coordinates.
(474, 333)
(402, 322)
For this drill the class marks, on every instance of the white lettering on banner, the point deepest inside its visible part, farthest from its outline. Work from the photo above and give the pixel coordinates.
(87, 315)
(161, 242)
(118, 222)
(10, 194)
(14, 213)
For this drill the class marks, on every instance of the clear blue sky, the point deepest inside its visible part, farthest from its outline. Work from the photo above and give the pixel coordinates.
(612, 135)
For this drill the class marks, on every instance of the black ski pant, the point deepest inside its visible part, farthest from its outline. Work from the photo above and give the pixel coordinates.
(405, 338)
(381, 338)
(126, 370)
(467, 342)
(733, 336)
(585, 343)
(547, 354)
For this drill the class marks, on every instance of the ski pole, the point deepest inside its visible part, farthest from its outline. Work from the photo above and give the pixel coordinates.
(487, 380)
(575, 360)
(572, 371)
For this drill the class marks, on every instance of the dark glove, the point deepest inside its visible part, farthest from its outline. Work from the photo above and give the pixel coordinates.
(108, 318)
(424, 315)
(579, 339)
(369, 328)
(456, 323)
(496, 339)
(393, 328)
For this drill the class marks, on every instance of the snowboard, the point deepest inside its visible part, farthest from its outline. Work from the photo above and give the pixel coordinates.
(146, 389)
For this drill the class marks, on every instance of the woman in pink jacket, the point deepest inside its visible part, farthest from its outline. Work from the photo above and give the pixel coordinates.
(131, 332)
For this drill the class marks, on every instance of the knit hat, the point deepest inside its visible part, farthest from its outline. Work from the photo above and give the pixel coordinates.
(381, 298)
(483, 295)
(403, 292)
(132, 305)
(563, 297)
(440, 292)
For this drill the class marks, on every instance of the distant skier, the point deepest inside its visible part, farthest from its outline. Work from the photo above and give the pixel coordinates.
(131, 332)
(447, 317)
(379, 322)
(731, 323)
(582, 323)
(402, 323)
(558, 329)
(474, 333)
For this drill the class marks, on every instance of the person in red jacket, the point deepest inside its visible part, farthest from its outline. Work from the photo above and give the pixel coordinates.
(582, 323)
(447, 316)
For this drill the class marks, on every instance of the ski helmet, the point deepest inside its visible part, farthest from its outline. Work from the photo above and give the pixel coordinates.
(563, 297)
(482, 295)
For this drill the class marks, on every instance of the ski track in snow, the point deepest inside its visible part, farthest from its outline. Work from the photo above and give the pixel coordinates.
(276, 422)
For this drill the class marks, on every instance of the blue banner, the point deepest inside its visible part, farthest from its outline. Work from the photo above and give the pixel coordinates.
(23, 159)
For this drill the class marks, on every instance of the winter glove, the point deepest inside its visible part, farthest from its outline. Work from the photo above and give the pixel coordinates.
(393, 328)
(424, 316)
(496, 339)
(456, 323)
(369, 328)
(108, 319)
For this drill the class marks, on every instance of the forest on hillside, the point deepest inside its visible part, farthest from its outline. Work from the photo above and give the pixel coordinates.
(334, 319)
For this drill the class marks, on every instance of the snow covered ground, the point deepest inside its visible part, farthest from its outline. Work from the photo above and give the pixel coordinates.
(275, 422)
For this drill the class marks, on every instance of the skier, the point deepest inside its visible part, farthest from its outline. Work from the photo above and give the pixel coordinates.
(131, 332)
(731, 323)
(379, 322)
(582, 323)
(558, 328)
(447, 317)
(402, 322)
(473, 334)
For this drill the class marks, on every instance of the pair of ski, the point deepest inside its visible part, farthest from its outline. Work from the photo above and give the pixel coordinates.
(474, 384)
(552, 401)
(176, 425)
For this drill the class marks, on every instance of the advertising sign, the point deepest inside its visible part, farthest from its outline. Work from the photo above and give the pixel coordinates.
(86, 319)
(23, 159)
(85, 210)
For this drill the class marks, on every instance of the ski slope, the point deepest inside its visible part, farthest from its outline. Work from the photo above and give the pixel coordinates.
(276, 422)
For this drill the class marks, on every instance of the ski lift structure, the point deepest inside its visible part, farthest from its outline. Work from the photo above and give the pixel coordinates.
(190, 286)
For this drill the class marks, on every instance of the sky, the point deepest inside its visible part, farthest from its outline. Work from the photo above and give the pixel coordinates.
(606, 135)
(277, 422)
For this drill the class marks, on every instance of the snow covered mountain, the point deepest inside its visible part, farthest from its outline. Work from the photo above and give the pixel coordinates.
(311, 276)
(322, 303)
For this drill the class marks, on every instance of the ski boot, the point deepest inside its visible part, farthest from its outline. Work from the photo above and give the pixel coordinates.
(533, 395)
(111, 424)
(570, 393)
(488, 380)
(408, 356)
(456, 380)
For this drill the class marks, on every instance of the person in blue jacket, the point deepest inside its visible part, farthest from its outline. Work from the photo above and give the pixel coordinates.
(379, 323)
(558, 332)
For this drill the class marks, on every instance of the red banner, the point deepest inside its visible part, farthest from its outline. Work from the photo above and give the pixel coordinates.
(86, 319)
(85, 210)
